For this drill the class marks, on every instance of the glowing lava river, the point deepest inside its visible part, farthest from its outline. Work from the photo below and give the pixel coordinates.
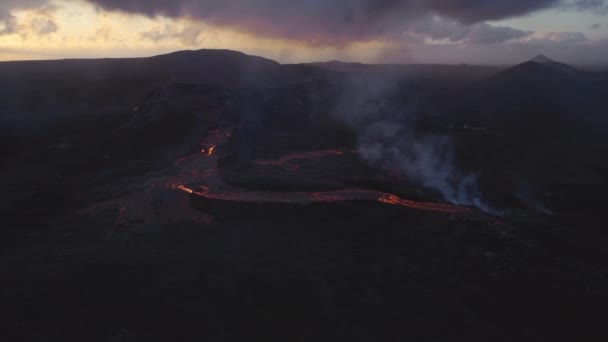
(207, 184)
(192, 190)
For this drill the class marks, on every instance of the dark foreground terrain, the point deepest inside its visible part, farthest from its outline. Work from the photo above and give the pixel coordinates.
(214, 196)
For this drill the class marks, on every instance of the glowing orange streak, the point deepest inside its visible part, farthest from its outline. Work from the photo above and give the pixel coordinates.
(204, 190)
(183, 188)
(329, 196)
(305, 197)
(446, 208)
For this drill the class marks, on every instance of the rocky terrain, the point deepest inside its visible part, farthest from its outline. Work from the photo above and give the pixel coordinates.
(211, 195)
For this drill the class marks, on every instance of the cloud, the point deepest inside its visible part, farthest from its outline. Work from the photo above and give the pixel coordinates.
(44, 25)
(189, 35)
(451, 31)
(484, 34)
(472, 11)
(564, 37)
(104, 33)
(8, 22)
(7, 6)
(389, 31)
(331, 22)
(589, 4)
(339, 11)
(321, 23)
(599, 7)
(568, 47)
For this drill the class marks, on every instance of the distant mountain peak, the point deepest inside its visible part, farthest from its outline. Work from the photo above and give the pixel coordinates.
(539, 70)
(549, 63)
(542, 59)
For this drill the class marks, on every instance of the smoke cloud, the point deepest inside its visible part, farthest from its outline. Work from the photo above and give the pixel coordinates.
(424, 158)
(387, 139)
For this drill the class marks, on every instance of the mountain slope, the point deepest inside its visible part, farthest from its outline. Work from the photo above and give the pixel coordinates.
(81, 87)
(543, 92)
(546, 61)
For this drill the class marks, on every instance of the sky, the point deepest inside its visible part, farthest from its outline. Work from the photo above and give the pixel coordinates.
(369, 31)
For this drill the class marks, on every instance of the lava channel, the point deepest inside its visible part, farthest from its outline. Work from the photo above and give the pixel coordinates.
(327, 196)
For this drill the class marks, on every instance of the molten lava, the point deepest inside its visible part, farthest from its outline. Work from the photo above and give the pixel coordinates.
(327, 196)
(208, 151)
(186, 182)
(208, 145)
(181, 187)
(446, 208)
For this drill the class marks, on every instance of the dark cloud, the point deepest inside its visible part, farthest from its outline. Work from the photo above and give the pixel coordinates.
(589, 4)
(339, 11)
(456, 32)
(485, 34)
(568, 47)
(7, 6)
(480, 10)
(322, 21)
(596, 6)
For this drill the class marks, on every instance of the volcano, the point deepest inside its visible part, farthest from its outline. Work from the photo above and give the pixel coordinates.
(213, 195)
(546, 61)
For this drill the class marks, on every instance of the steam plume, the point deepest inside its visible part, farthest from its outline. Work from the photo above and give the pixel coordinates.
(387, 138)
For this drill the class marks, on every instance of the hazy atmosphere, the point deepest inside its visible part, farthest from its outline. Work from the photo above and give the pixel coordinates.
(393, 31)
(273, 170)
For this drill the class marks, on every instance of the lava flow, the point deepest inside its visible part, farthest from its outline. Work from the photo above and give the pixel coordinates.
(208, 145)
(207, 184)
(327, 196)
(446, 208)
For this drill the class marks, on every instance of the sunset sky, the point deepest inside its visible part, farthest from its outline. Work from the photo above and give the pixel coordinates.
(380, 31)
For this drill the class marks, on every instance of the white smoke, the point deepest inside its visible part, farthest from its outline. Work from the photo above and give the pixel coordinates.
(425, 159)
(387, 138)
